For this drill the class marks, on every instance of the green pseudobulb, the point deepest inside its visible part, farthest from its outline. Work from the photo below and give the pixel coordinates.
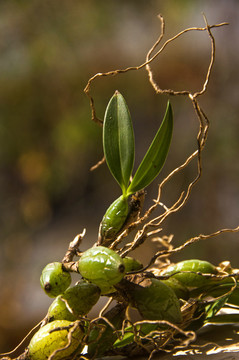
(114, 219)
(189, 278)
(46, 341)
(54, 279)
(74, 302)
(131, 264)
(102, 267)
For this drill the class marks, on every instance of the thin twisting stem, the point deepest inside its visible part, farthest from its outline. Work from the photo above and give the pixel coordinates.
(149, 227)
(147, 62)
(145, 233)
(188, 243)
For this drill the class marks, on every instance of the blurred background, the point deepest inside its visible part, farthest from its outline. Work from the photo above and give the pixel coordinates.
(48, 51)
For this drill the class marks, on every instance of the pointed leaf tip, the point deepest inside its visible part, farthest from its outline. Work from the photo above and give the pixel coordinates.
(118, 140)
(156, 155)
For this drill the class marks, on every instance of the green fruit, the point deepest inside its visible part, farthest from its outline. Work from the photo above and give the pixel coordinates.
(74, 302)
(114, 219)
(58, 310)
(103, 267)
(45, 342)
(157, 302)
(54, 279)
(191, 266)
(131, 264)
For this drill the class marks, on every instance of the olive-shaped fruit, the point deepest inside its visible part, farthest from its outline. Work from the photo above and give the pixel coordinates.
(131, 264)
(189, 278)
(76, 301)
(157, 302)
(102, 266)
(46, 341)
(114, 219)
(54, 279)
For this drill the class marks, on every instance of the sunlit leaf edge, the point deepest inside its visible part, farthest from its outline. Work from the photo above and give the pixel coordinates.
(118, 140)
(155, 157)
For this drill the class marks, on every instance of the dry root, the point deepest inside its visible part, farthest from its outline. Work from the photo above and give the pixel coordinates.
(148, 226)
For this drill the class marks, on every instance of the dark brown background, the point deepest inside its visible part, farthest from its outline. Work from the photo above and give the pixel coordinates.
(48, 51)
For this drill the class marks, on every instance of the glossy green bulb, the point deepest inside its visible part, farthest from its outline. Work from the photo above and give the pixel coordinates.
(131, 264)
(54, 279)
(45, 341)
(114, 219)
(74, 302)
(59, 310)
(102, 266)
(191, 279)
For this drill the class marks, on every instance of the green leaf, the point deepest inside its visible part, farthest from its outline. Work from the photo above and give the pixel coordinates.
(118, 140)
(156, 155)
(130, 334)
(227, 289)
(127, 339)
(215, 306)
